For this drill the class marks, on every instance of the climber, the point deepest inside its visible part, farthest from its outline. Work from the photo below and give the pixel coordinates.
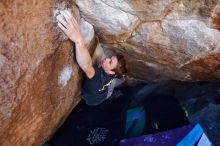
(102, 77)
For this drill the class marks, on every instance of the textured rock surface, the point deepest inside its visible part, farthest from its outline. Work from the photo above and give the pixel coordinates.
(166, 39)
(216, 17)
(111, 24)
(39, 77)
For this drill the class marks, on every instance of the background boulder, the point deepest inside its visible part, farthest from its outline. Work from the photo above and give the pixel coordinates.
(161, 39)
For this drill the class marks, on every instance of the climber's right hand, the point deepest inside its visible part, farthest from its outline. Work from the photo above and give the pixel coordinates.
(69, 25)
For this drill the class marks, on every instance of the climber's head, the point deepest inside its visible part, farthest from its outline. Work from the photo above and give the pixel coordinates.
(114, 65)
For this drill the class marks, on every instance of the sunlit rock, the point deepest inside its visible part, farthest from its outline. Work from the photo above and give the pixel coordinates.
(111, 24)
(39, 77)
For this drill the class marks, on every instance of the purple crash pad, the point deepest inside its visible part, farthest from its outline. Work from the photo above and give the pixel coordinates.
(187, 135)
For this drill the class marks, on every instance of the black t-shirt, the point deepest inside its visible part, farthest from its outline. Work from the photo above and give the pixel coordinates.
(95, 90)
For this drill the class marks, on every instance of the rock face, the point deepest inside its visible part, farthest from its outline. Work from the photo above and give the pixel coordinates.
(111, 24)
(39, 77)
(161, 39)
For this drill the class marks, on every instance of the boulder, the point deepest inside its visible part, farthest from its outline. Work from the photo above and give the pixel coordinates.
(166, 41)
(112, 25)
(39, 77)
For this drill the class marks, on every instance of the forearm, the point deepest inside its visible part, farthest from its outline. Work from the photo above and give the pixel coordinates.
(83, 57)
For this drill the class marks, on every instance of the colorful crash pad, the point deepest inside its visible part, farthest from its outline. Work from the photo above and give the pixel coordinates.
(190, 135)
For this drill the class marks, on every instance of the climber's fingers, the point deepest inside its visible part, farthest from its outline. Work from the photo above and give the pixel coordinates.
(62, 21)
(62, 27)
(69, 18)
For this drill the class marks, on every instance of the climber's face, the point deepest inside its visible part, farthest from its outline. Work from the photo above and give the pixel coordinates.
(108, 64)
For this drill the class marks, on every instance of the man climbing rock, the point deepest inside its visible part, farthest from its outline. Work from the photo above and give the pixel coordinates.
(100, 79)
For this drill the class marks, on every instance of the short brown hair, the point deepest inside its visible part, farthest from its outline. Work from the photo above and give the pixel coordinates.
(121, 67)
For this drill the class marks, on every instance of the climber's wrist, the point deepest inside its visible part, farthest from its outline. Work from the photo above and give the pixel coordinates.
(80, 43)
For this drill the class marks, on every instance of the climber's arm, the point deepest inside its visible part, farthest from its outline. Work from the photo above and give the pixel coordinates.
(84, 59)
(71, 28)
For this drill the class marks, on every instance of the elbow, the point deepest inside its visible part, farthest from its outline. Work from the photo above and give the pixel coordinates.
(90, 72)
